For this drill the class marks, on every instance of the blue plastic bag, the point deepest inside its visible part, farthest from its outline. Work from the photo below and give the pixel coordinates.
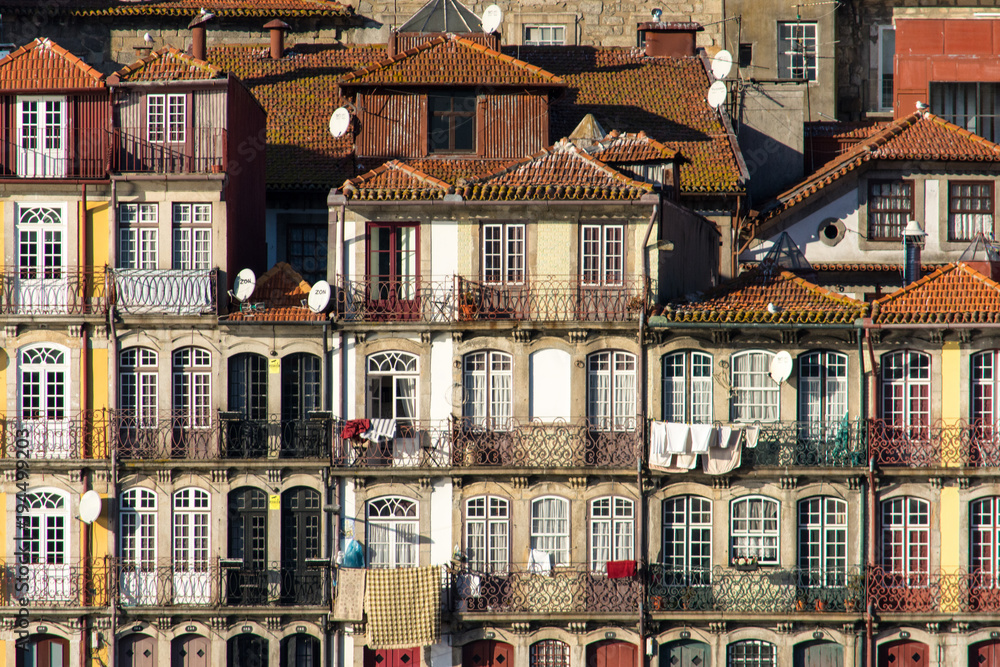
(354, 555)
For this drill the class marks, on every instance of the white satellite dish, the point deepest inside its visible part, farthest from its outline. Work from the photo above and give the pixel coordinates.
(492, 17)
(339, 121)
(90, 507)
(246, 281)
(319, 296)
(717, 94)
(722, 62)
(781, 367)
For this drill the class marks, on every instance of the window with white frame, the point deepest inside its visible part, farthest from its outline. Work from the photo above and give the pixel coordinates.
(138, 234)
(687, 539)
(392, 385)
(612, 530)
(755, 394)
(192, 382)
(754, 529)
(41, 255)
(984, 559)
(42, 525)
(192, 225)
(191, 512)
(550, 528)
(906, 539)
(751, 653)
(611, 390)
(548, 653)
(970, 210)
(487, 533)
(602, 254)
(797, 50)
(822, 387)
(166, 118)
(137, 539)
(138, 377)
(985, 411)
(544, 35)
(488, 389)
(503, 253)
(906, 389)
(43, 382)
(687, 387)
(823, 541)
(393, 532)
(886, 55)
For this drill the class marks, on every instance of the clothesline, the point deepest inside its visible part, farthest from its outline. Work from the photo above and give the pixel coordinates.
(675, 447)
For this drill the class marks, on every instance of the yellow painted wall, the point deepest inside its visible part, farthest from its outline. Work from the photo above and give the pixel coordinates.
(552, 256)
(3, 530)
(949, 527)
(951, 396)
(4, 363)
(99, 380)
(97, 234)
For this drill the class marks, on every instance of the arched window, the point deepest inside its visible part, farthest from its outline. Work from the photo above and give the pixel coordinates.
(192, 381)
(612, 531)
(550, 528)
(43, 537)
(906, 539)
(191, 537)
(822, 387)
(687, 387)
(906, 389)
(138, 379)
(137, 547)
(548, 653)
(823, 540)
(392, 386)
(687, 539)
(754, 529)
(755, 394)
(43, 397)
(393, 532)
(751, 653)
(985, 383)
(488, 386)
(487, 533)
(248, 386)
(611, 390)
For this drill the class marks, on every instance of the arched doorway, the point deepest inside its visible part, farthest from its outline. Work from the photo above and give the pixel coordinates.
(300, 651)
(190, 651)
(246, 650)
(904, 654)
(300, 523)
(685, 653)
(487, 653)
(819, 654)
(985, 654)
(611, 653)
(43, 651)
(136, 650)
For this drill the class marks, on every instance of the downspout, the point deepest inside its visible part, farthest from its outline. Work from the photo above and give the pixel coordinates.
(641, 528)
(870, 606)
(112, 404)
(85, 424)
(85, 541)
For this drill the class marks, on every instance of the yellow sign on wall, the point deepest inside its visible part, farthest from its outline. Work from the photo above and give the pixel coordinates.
(274, 366)
(274, 502)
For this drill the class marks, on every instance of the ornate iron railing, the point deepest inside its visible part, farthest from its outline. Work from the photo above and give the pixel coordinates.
(165, 435)
(202, 150)
(53, 290)
(951, 443)
(165, 291)
(82, 583)
(453, 298)
(275, 437)
(219, 582)
(565, 589)
(837, 444)
(756, 590)
(468, 443)
(83, 435)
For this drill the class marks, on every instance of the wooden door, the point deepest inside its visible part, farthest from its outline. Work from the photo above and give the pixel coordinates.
(247, 585)
(189, 651)
(684, 653)
(247, 650)
(300, 650)
(487, 653)
(819, 654)
(300, 517)
(611, 653)
(985, 654)
(137, 651)
(396, 657)
(903, 654)
(43, 651)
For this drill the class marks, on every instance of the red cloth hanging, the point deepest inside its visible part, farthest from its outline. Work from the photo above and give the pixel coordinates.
(620, 569)
(354, 427)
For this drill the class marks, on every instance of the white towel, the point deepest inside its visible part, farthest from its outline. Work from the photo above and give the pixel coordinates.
(657, 437)
(702, 437)
(659, 459)
(752, 433)
(683, 462)
(539, 562)
(469, 585)
(678, 438)
(722, 437)
(719, 460)
(381, 429)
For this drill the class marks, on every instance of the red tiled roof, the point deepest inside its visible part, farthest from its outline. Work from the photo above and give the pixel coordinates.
(187, 8)
(451, 60)
(395, 180)
(918, 136)
(745, 300)
(631, 147)
(167, 64)
(845, 131)
(452, 170)
(859, 267)
(282, 292)
(953, 294)
(44, 65)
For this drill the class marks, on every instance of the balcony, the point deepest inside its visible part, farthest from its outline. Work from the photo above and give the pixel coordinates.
(566, 589)
(219, 582)
(839, 444)
(455, 299)
(955, 444)
(78, 154)
(933, 592)
(83, 583)
(274, 437)
(762, 590)
(202, 151)
(164, 291)
(73, 437)
(74, 290)
(517, 444)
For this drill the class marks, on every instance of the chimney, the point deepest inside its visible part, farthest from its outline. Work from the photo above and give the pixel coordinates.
(669, 39)
(913, 243)
(277, 28)
(198, 39)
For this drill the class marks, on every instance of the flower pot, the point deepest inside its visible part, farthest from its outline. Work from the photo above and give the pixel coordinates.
(851, 605)
(800, 605)
(820, 604)
(467, 310)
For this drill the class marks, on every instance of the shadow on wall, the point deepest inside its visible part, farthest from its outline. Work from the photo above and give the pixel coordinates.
(772, 165)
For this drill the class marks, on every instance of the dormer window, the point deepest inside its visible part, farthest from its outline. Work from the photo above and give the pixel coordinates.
(452, 122)
(165, 118)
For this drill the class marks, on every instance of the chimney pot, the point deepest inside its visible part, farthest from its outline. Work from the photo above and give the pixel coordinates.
(199, 48)
(277, 28)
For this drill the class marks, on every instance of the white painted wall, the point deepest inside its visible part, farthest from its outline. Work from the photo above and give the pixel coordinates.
(442, 391)
(549, 372)
(932, 200)
(352, 237)
(444, 247)
(442, 545)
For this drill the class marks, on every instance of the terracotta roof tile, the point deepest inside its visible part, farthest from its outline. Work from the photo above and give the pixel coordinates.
(186, 8)
(167, 64)
(953, 294)
(44, 65)
(631, 147)
(282, 292)
(395, 180)
(451, 60)
(745, 301)
(844, 130)
(855, 267)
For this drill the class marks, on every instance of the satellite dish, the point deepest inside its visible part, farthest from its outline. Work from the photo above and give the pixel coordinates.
(722, 62)
(781, 367)
(492, 17)
(90, 507)
(319, 296)
(339, 121)
(717, 94)
(246, 281)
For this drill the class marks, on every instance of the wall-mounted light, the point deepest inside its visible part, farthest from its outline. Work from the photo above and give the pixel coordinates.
(817, 635)
(489, 635)
(903, 634)
(610, 634)
(685, 634)
(458, 363)
(579, 363)
(995, 635)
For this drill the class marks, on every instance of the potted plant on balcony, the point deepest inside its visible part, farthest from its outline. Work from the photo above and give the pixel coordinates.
(854, 592)
(635, 304)
(467, 304)
(745, 563)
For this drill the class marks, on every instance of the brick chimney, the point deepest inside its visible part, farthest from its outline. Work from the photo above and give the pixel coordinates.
(199, 48)
(277, 28)
(670, 39)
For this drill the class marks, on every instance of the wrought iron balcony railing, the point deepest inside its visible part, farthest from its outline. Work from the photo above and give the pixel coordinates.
(201, 150)
(165, 291)
(953, 443)
(83, 435)
(837, 444)
(472, 443)
(275, 437)
(219, 582)
(53, 290)
(453, 298)
(757, 590)
(81, 583)
(75, 153)
(565, 589)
